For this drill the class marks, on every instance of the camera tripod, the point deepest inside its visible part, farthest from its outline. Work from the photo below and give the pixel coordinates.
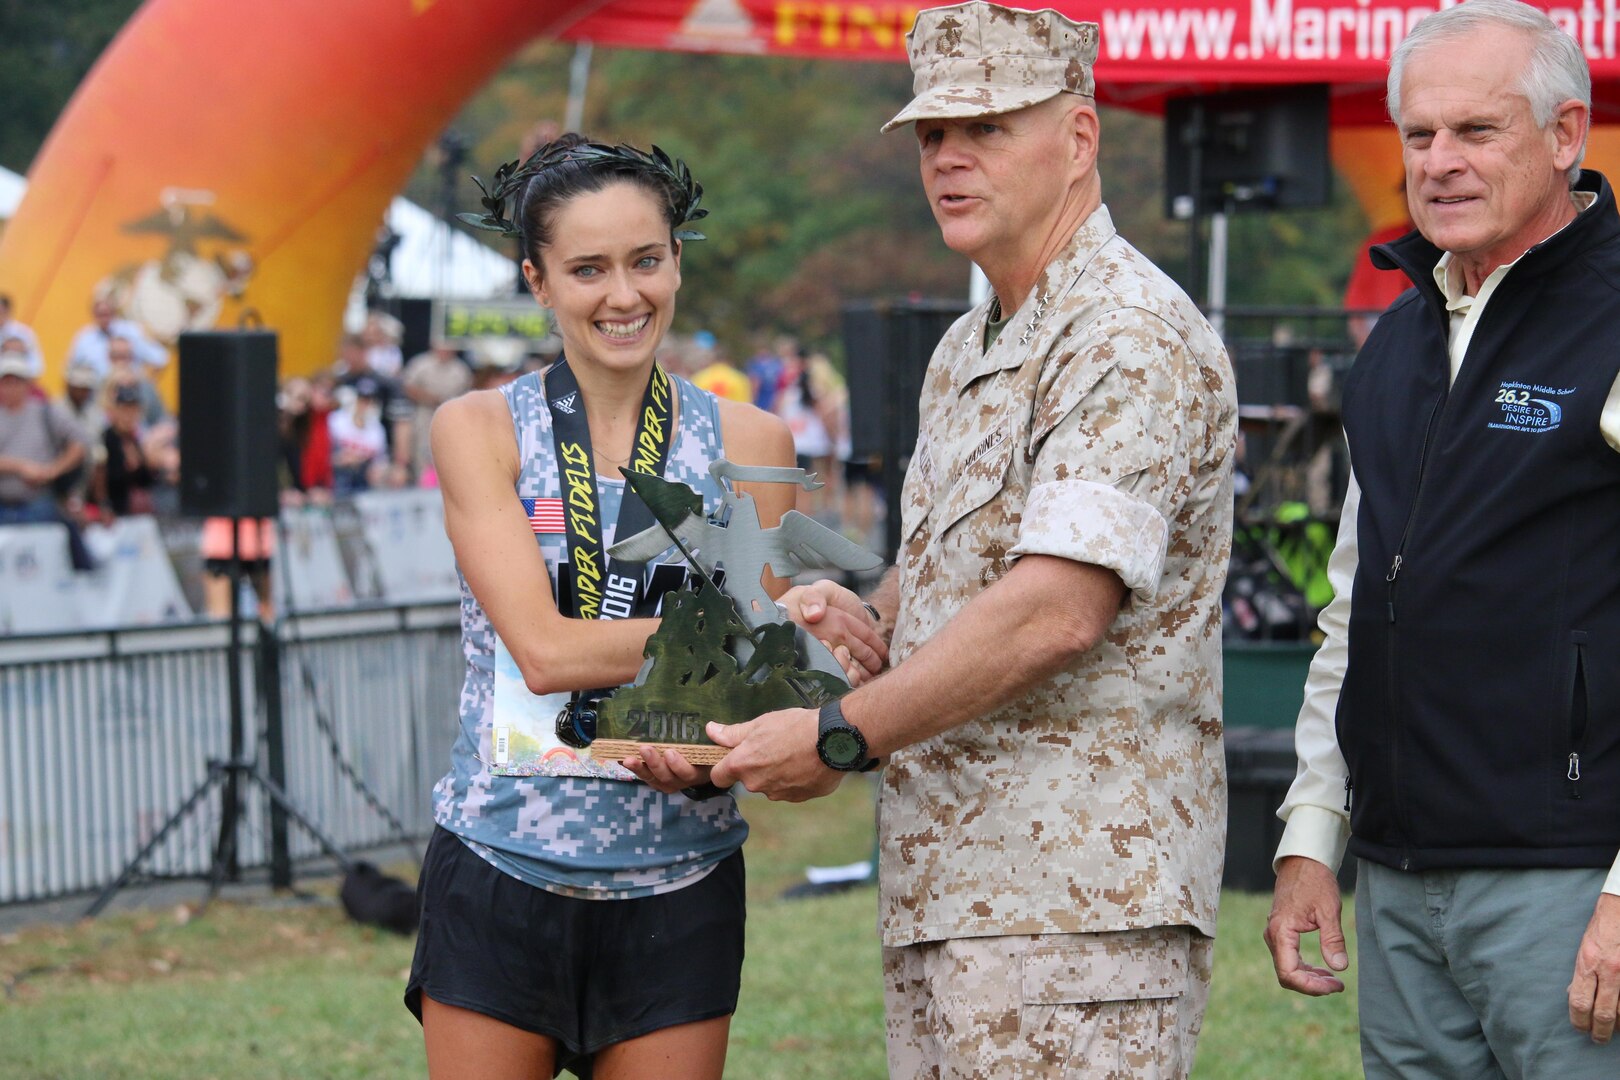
(228, 775)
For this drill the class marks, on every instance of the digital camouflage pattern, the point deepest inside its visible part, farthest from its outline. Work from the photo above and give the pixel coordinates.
(1098, 427)
(595, 837)
(1118, 1006)
(981, 59)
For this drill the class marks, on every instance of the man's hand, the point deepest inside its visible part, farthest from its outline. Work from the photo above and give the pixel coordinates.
(29, 472)
(775, 754)
(1306, 899)
(1594, 992)
(665, 770)
(841, 622)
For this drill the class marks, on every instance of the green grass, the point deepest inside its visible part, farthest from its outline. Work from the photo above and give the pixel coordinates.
(292, 990)
(1254, 1029)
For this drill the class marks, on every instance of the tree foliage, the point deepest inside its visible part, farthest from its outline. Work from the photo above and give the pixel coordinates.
(45, 50)
(813, 208)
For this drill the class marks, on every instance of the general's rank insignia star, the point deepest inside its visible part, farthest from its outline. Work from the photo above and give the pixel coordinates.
(1035, 319)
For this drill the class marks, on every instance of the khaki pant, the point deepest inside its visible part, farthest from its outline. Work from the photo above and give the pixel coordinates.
(1126, 1005)
(1465, 974)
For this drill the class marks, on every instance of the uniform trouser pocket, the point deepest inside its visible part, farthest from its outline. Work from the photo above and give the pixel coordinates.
(1116, 1004)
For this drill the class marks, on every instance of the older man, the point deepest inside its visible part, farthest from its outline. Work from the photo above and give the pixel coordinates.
(93, 342)
(1459, 726)
(1054, 805)
(11, 328)
(39, 443)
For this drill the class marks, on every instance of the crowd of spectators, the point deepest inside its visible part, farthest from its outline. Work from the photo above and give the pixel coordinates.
(107, 447)
(804, 388)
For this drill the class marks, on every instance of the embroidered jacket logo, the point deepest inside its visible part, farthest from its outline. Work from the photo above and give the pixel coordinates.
(1529, 407)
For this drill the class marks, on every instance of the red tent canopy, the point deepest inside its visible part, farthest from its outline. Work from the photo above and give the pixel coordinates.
(1150, 48)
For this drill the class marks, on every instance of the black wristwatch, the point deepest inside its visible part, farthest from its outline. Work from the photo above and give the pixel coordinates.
(840, 744)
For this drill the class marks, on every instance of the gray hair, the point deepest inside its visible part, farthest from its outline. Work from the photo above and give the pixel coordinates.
(1556, 71)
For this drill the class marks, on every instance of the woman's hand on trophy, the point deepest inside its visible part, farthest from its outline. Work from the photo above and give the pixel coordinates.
(840, 621)
(666, 770)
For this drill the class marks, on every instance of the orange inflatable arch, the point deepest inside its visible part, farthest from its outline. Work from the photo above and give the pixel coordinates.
(229, 155)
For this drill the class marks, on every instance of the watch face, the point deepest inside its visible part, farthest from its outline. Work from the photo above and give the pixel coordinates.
(842, 747)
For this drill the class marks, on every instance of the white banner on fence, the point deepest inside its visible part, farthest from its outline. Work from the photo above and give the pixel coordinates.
(399, 555)
(40, 594)
(414, 561)
(307, 565)
(133, 583)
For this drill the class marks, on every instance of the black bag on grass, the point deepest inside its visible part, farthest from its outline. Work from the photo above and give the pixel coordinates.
(373, 897)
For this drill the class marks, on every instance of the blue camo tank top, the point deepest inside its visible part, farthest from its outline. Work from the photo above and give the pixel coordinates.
(606, 838)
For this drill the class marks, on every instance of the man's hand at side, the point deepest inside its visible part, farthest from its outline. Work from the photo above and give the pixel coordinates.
(1594, 992)
(775, 754)
(1306, 900)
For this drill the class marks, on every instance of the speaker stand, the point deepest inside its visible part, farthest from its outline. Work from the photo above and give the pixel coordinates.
(227, 775)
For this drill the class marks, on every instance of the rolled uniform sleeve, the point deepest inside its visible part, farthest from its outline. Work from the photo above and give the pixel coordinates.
(1111, 441)
(1094, 523)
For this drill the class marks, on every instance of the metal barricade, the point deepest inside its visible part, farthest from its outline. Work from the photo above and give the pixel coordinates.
(103, 735)
(373, 694)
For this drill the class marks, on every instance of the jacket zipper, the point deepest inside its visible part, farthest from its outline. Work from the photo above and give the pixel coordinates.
(1578, 718)
(1390, 649)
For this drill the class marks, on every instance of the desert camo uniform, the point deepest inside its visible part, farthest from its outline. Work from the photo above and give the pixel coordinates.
(1099, 426)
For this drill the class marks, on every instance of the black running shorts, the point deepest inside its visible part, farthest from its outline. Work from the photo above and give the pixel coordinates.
(587, 973)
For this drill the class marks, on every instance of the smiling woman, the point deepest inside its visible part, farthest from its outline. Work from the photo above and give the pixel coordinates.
(611, 281)
(577, 912)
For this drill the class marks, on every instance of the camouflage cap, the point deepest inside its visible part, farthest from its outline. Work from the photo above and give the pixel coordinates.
(980, 59)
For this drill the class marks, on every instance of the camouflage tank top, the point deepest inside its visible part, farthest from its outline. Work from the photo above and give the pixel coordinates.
(604, 835)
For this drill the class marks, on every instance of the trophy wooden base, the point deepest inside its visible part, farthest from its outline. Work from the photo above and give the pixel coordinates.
(617, 749)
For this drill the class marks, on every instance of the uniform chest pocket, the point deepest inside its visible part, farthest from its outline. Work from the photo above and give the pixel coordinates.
(981, 480)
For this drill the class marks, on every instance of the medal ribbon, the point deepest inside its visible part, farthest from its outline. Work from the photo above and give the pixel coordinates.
(595, 587)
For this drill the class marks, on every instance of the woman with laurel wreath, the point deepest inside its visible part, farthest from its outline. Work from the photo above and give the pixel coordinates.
(581, 914)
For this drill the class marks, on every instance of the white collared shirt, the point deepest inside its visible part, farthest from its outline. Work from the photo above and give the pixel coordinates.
(89, 346)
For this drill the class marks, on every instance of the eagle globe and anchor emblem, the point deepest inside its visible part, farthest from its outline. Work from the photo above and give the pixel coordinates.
(185, 288)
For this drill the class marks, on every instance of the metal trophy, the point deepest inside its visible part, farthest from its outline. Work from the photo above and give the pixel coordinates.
(724, 651)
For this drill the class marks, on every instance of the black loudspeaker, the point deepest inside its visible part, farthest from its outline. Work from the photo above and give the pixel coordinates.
(229, 445)
(416, 316)
(1251, 150)
(888, 346)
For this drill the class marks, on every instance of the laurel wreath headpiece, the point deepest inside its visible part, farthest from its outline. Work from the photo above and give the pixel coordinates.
(510, 179)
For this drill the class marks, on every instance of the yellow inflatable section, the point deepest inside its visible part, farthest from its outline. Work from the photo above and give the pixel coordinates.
(227, 155)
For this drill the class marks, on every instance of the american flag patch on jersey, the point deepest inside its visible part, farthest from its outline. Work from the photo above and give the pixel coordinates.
(545, 515)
